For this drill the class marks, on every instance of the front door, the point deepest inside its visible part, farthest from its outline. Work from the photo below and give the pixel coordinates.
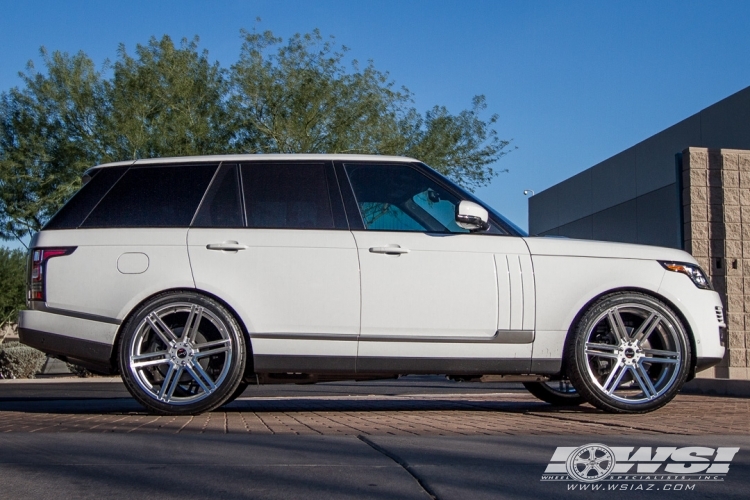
(435, 298)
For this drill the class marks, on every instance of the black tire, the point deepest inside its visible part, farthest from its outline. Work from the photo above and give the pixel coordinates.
(555, 392)
(182, 353)
(237, 393)
(630, 353)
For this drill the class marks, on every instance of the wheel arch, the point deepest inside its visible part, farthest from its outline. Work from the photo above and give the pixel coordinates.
(570, 335)
(232, 311)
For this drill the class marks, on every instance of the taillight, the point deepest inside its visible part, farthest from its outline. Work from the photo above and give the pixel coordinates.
(39, 258)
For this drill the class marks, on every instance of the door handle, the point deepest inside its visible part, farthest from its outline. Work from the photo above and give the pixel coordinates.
(389, 250)
(231, 246)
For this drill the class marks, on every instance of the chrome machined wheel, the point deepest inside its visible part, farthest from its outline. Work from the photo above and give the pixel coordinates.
(181, 356)
(631, 353)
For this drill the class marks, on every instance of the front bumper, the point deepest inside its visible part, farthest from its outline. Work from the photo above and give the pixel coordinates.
(704, 314)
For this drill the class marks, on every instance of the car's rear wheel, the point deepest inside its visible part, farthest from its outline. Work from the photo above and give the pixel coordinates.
(555, 392)
(182, 353)
(630, 354)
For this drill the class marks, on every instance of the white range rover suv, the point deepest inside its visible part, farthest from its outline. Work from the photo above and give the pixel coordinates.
(193, 277)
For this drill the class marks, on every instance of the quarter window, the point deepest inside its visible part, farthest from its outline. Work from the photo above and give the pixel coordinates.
(399, 198)
(73, 213)
(222, 205)
(287, 196)
(153, 196)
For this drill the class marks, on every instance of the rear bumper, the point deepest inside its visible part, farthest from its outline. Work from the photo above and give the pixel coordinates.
(85, 342)
(92, 355)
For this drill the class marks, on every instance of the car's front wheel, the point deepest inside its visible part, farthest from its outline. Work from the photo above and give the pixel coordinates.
(630, 353)
(182, 353)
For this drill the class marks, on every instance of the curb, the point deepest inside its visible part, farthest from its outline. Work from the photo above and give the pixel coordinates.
(718, 387)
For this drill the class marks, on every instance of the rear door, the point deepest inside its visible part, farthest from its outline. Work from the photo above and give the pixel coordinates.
(272, 240)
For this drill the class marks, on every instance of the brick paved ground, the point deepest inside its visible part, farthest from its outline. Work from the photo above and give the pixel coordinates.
(424, 415)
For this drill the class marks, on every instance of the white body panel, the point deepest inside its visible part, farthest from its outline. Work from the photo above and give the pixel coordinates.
(301, 282)
(699, 309)
(571, 273)
(89, 281)
(444, 286)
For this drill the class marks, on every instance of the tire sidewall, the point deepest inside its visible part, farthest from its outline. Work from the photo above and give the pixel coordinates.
(228, 385)
(578, 360)
(544, 392)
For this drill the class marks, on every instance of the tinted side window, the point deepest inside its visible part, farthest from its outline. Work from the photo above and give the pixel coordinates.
(287, 195)
(73, 213)
(399, 198)
(222, 205)
(153, 196)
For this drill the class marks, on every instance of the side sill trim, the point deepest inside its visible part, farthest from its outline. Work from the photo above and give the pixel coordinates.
(500, 337)
(269, 363)
(306, 336)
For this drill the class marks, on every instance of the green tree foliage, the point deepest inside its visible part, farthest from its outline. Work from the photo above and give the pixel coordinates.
(48, 137)
(12, 284)
(166, 101)
(300, 97)
(297, 96)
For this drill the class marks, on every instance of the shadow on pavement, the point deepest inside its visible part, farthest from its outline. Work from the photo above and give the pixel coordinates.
(307, 404)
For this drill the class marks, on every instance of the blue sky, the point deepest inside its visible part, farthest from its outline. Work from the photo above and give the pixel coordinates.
(573, 82)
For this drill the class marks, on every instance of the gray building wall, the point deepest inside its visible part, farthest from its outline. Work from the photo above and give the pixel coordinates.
(634, 196)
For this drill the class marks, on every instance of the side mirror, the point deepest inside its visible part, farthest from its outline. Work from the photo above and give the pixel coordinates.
(471, 216)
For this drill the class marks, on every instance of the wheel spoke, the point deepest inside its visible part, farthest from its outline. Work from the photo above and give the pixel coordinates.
(613, 381)
(647, 328)
(644, 382)
(218, 345)
(200, 376)
(192, 324)
(601, 350)
(599, 469)
(657, 352)
(617, 326)
(670, 361)
(646, 378)
(161, 329)
(149, 359)
(173, 385)
(168, 378)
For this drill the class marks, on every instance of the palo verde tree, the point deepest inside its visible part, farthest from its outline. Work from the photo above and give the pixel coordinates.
(298, 96)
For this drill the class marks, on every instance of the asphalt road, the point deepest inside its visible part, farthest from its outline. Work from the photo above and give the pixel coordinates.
(418, 437)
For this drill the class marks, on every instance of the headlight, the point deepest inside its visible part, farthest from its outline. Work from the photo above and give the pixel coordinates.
(692, 271)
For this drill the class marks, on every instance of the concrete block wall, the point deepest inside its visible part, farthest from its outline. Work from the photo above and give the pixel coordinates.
(716, 215)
